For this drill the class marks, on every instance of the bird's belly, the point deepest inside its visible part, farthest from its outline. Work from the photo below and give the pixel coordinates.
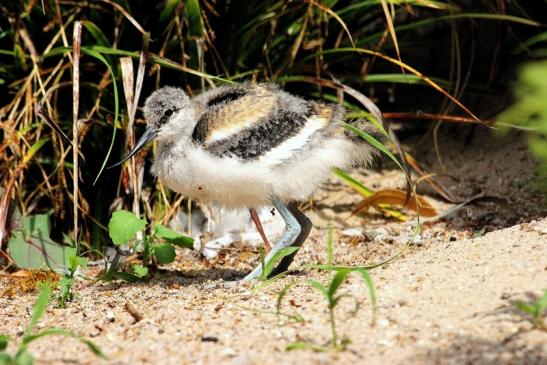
(232, 182)
(225, 181)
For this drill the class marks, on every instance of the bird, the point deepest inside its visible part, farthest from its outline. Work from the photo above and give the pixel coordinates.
(249, 145)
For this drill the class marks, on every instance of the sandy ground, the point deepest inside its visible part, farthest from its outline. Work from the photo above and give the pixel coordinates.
(448, 299)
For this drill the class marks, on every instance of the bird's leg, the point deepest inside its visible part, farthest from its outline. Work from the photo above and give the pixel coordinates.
(297, 229)
(256, 220)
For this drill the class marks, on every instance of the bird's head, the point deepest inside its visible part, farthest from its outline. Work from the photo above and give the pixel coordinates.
(168, 112)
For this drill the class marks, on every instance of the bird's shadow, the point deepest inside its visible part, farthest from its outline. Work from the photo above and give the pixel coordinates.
(176, 278)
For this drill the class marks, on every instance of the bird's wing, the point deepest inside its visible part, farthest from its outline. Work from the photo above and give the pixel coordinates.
(262, 122)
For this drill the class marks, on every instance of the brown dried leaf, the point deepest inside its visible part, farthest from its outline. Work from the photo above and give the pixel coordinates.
(398, 198)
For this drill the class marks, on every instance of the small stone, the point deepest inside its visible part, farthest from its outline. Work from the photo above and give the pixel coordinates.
(228, 351)
(110, 316)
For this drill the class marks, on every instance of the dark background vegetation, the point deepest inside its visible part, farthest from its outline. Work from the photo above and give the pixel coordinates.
(473, 49)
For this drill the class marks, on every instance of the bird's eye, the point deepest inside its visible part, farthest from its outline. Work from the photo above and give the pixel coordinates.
(168, 113)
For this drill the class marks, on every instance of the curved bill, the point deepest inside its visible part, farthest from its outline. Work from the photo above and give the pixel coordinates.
(149, 135)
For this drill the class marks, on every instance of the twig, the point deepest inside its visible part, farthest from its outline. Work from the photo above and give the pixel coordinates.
(76, 41)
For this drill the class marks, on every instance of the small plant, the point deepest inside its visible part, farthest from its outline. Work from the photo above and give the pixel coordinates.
(22, 356)
(66, 294)
(124, 226)
(330, 292)
(536, 310)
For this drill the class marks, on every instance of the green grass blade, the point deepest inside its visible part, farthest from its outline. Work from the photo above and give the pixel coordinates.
(374, 142)
(40, 306)
(305, 346)
(96, 32)
(337, 281)
(372, 292)
(281, 295)
(330, 244)
(62, 332)
(193, 16)
(356, 185)
(542, 303)
(278, 256)
(317, 285)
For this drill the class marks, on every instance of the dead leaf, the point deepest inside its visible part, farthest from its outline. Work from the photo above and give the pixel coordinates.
(396, 197)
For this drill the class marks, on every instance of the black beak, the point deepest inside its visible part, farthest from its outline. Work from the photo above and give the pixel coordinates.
(149, 135)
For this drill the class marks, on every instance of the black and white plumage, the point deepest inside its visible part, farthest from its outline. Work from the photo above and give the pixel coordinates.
(248, 146)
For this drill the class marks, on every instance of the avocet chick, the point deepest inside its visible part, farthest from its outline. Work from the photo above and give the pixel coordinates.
(248, 146)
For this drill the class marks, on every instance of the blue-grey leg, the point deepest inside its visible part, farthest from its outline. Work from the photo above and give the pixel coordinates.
(297, 229)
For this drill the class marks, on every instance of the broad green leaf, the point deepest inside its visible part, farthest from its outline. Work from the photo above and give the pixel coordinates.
(123, 226)
(39, 307)
(39, 252)
(173, 237)
(165, 253)
(140, 270)
(36, 224)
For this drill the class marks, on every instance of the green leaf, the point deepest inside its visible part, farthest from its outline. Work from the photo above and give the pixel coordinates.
(6, 359)
(168, 9)
(173, 237)
(305, 346)
(525, 307)
(123, 226)
(336, 281)
(23, 357)
(75, 262)
(330, 245)
(4, 339)
(34, 149)
(317, 285)
(96, 32)
(38, 252)
(62, 332)
(192, 12)
(140, 270)
(370, 285)
(374, 142)
(542, 303)
(40, 306)
(36, 224)
(278, 256)
(165, 253)
(356, 185)
(282, 295)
